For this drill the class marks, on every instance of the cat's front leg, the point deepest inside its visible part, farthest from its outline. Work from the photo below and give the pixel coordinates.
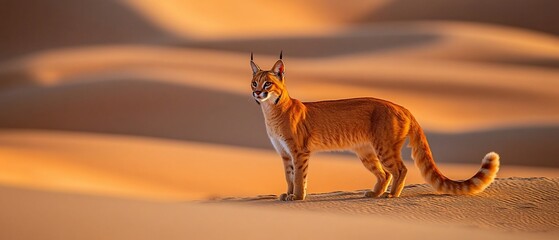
(301, 165)
(289, 173)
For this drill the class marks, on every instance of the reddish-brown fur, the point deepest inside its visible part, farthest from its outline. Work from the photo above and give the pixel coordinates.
(374, 129)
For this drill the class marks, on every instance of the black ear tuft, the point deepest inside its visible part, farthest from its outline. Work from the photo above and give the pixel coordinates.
(255, 68)
(281, 54)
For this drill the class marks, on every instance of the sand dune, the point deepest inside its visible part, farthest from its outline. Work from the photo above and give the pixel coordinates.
(138, 107)
(218, 19)
(45, 25)
(512, 204)
(28, 27)
(134, 108)
(61, 216)
(446, 40)
(535, 15)
(150, 168)
(256, 18)
(175, 93)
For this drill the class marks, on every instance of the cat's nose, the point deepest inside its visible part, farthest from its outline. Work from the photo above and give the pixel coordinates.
(257, 92)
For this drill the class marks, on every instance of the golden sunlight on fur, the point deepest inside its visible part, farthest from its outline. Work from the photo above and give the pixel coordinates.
(374, 129)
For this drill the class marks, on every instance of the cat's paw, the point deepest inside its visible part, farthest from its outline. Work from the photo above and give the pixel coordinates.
(283, 197)
(292, 197)
(371, 194)
(387, 195)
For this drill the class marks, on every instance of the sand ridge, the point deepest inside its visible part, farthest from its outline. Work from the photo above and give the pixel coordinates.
(509, 204)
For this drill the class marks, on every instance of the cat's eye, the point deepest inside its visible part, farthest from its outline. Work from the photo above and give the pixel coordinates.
(254, 84)
(267, 84)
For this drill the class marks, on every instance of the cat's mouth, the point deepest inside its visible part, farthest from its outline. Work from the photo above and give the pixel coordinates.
(261, 96)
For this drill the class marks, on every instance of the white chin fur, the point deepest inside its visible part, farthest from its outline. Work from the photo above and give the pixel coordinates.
(264, 99)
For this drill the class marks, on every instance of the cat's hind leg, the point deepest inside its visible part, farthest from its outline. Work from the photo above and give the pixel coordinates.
(370, 160)
(391, 158)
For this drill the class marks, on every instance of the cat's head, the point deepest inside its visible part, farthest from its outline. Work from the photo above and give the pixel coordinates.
(267, 85)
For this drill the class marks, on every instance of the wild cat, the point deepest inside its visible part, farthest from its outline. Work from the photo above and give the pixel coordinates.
(374, 129)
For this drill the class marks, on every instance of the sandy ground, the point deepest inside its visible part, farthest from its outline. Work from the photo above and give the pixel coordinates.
(118, 117)
(65, 216)
(510, 204)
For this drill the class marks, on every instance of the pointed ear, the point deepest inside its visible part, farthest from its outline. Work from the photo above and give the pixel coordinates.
(279, 69)
(254, 67)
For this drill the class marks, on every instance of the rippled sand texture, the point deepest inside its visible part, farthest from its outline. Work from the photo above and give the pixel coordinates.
(509, 204)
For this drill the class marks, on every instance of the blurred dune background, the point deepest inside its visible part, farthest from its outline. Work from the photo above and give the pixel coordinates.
(151, 99)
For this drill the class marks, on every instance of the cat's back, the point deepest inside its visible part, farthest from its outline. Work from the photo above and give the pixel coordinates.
(367, 104)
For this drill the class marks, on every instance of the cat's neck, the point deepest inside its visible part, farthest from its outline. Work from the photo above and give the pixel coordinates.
(277, 107)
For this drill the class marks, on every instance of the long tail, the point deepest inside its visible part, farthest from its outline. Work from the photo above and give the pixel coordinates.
(423, 157)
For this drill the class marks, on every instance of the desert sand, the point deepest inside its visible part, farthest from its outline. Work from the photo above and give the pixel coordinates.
(27, 214)
(510, 204)
(133, 119)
